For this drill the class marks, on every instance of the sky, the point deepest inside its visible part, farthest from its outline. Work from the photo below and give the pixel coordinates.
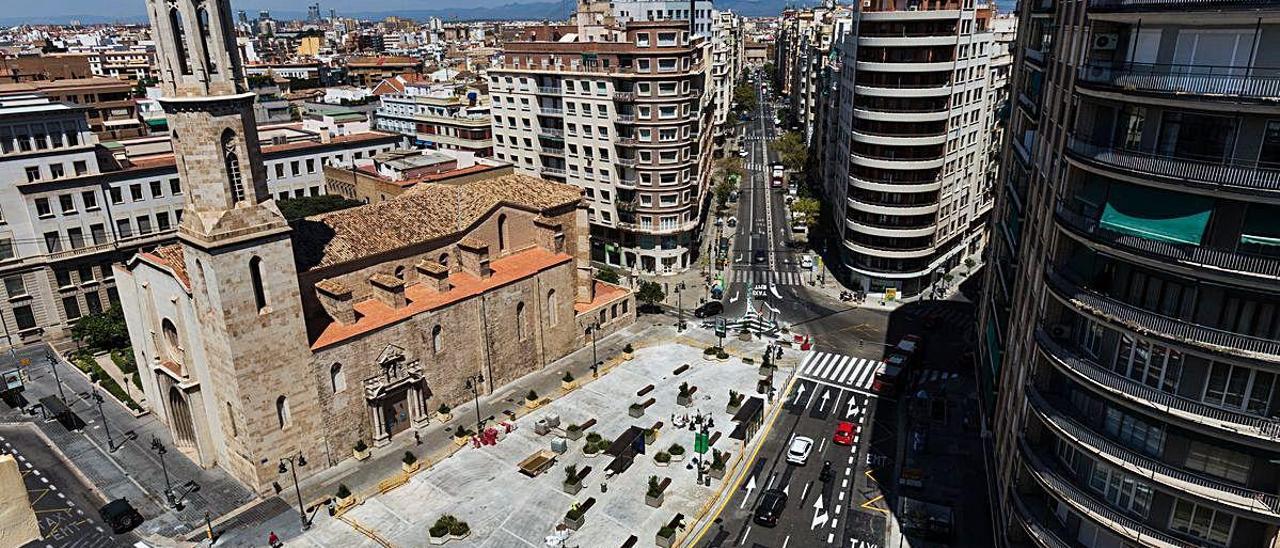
(53, 8)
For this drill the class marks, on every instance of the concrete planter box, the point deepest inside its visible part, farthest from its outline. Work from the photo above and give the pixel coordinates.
(444, 417)
(575, 524)
(636, 411)
(572, 488)
(346, 502)
(573, 434)
(677, 458)
(732, 409)
(684, 401)
(628, 356)
(568, 385)
(360, 455)
(655, 502)
(461, 441)
(460, 537)
(662, 464)
(664, 542)
(717, 473)
(530, 404)
(411, 468)
(766, 370)
(439, 540)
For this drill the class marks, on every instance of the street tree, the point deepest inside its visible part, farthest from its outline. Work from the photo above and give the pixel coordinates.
(744, 96)
(792, 150)
(650, 293)
(105, 330)
(810, 208)
(723, 189)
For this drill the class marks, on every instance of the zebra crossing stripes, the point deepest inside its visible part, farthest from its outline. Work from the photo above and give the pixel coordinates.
(931, 375)
(840, 370)
(752, 277)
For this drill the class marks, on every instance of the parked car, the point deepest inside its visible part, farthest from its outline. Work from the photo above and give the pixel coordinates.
(806, 262)
(772, 503)
(733, 221)
(120, 516)
(708, 309)
(742, 152)
(844, 433)
(798, 451)
(761, 257)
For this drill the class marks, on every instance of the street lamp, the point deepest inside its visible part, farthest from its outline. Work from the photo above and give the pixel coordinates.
(595, 363)
(160, 449)
(53, 364)
(294, 462)
(680, 304)
(473, 384)
(111, 444)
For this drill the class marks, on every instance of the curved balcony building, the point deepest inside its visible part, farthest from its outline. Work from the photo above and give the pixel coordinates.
(914, 117)
(1138, 400)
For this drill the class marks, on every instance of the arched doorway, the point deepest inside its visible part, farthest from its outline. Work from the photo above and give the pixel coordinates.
(184, 430)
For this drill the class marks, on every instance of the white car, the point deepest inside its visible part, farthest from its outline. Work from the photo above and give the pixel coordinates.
(742, 152)
(806, 262)
(798, 451)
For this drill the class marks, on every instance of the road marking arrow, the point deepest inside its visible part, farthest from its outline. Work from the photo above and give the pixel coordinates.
(786, 489)
(799, 393)
(735, 297)
(751, 486)
(819, 517)
(774, 290)
(853, 406)
(825, 396)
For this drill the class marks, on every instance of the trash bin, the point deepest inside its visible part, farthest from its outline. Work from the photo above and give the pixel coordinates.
(559, 445)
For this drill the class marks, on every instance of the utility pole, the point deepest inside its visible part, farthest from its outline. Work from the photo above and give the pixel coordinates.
(680, 303)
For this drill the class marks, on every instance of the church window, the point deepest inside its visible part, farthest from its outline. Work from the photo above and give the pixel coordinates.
(337, 378)
(400, 272)
(179, 40)
(231, 418)
(437, 339)
(553, 316)
(255, 278)
(232, 163)
(171, 346)
(520, 334)
(282, 412)
(444, 259)
(502, 233)
(202, 19)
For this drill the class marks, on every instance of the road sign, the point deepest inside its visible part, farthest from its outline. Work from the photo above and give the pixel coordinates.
(721, 329)
(701, 442)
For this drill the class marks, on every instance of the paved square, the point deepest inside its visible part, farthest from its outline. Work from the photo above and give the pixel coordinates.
(505, 508)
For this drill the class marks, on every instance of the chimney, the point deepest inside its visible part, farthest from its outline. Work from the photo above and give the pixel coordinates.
(335, 298)
(388, 289)
(434, 275)
(474, 257)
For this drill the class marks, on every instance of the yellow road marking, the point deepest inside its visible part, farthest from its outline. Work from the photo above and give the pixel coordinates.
(869, 505)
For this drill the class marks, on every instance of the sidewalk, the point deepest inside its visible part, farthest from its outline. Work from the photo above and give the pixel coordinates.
(133, 471)
(280, 514)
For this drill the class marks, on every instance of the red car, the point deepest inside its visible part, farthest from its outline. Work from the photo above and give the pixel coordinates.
(844, 433)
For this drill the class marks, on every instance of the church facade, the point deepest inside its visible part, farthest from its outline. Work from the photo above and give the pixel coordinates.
(258, 339)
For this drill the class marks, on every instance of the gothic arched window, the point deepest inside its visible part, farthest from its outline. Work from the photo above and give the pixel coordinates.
(282, 412)
(502, 233)
(437, 339)
(255, 279)
(202, 19)
(553, 316)
(179, 40)
(337, 377)
(520, 331)
(231, 162)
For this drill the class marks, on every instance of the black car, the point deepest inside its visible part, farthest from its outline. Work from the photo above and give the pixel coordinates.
(120, 516)
(761, 257)
(770, 508)
(710, 308)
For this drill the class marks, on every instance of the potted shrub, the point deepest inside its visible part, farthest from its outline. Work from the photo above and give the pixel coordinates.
(654, 495)
(531, 400)
(650, 434)
(360, 451)
(574, 517)
(676, 451)
(685, 397)
(591, 449)
(662, 458)
(443, 413)
(710, 353)
(459, 530)
(666, 536)
(628, 352)
(572, 483)
(439, 531)
(722, 355)
(345, 498)
(573, 431)
(409, 463)
(719, 459)
(636, 410)
(735, 402)
(567, 383)
(461, 436)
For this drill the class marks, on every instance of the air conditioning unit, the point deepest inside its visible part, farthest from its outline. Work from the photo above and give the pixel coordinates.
(1106, 41)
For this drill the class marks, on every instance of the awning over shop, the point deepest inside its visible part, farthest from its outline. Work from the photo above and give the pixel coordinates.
(1156, 214)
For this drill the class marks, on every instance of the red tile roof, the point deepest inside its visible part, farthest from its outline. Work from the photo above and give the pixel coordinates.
(169, 257)
(605, 293)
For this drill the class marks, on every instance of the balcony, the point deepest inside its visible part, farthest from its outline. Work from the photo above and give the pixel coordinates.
(884, 162)
(553, 151)
(549, 111)
(899, 115)
(1034, 523)
(1190, 256)
(890, 185)
(549, 90)
(625, 162)
(1189, 411)
(625, 96)
(550, 132)
(1161, 474)
(1104, 6)
(557, 171)
(626, 182)
(1180, 332)
(1228, 175)
(625, 205)
(1185, 80)
(70, 252)
(1098, 511)
(625, 118)
(898, 140)
(626, 141)
(869, 206)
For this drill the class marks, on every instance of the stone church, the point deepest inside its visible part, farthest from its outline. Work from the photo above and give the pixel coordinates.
(259, 339)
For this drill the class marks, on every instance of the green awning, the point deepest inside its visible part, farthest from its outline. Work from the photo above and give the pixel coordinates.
(1261, 226)
(1156, 214)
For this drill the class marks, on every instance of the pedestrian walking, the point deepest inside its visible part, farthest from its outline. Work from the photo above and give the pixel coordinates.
(417, 438)
(273, 540)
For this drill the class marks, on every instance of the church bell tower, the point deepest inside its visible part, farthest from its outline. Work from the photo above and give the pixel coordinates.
(257, 393)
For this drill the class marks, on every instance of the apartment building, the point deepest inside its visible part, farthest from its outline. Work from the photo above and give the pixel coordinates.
(122, 62)
(74, 206)
(804, 60)
(618, 110)
(108, 102)
(701, 12)
(439, 116)
(367, 71)
(1130, 312)
(389, 174)
(909, 152)
(728, 50)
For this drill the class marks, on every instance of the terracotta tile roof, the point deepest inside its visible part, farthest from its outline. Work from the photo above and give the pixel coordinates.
(170, 257)
(423, 213)
(333, 287)
(173, 368)
(381, 60)
(373, 314)
(605, 294)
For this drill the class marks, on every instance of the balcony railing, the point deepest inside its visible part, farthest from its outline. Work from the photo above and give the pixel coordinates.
(1174, 5)
(1174, 329)
(553, 170)
(1227, 174)
(1190, 255)
(1187, 79)
(627, 141)
(1096, 510)
(625, 118)
(624, 96)
(550, 111)
(1159, 472)
(1044, 536)
(626, 182)
(553, 151)
(549, 90)
(551, 132)
(626, 162)
(1235, 421)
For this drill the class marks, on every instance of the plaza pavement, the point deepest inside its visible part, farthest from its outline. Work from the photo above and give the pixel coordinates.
(505, 508)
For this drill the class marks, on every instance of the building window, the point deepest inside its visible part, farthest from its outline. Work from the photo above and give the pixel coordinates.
(52, 242)
(33, 174)
(1151, 364)
(1201, 522)
(502, 233)
(437, 339)
(337, 378)
(117, 197)
(1218, 461)
(231, 162)
(255, 279)
(231, 418)
(171, 346)
(1239, 387)
(71, 307)
(42, 208)
(90, 199)
(553, 312)
(520, 330)
(282, 412)
(1120, 489)
(156, 189)
(15, 286)
(6, 249)
(24, 317)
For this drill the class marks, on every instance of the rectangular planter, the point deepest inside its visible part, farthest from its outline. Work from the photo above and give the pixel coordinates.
(436, 541)
(677, 458)
(573, 434)
(635, 412)
(575, 524)
(572, 488)
(717, 473)
(655, 502)
(664, 542)
(684, 401)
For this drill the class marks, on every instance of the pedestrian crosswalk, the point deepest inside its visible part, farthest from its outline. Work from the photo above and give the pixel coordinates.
(840, 370)
(752, 277)
(931, 376)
